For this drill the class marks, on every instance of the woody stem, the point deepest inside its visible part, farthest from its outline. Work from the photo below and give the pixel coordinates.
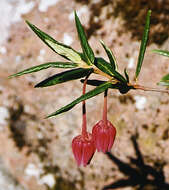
(149, 89)
(105, 107)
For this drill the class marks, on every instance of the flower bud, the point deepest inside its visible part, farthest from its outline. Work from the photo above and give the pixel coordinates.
(83, 149)
(104, 134)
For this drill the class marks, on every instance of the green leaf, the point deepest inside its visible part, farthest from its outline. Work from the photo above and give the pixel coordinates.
(93, 82)
(162, 83)
(143, 44)
(61, 49)
(161, 52)
(64, 77)
(45, 66)
(123, 88)
(165, 78)
(100, 82)
(110, 55)
(87, 50)
(105, 67)
(86, 96)
(126, 75)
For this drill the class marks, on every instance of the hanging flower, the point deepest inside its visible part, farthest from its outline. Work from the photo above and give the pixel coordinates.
(104, 132)
(83, 145)
(104, 136)
(83, 149)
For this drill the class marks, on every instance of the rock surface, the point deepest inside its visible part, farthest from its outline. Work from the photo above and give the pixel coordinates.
(36, 153)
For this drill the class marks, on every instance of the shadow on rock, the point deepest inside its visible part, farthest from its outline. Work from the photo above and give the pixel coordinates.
(133, 14)
(138, 174)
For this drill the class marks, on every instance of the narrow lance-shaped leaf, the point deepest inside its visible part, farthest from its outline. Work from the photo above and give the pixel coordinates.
(110, 55)
(45, 66)
(61, 49)
(165, 78)
(164, 81)
(126, 74)
(64, 77)
(93, 82)
(143, 44)
(87, 50)
(161, 52)
(86, 96)
(105, 67)
(100, 82)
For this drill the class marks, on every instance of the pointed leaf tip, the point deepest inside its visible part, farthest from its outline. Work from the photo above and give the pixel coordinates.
(164, 81)
(126, 74)
(161, 52)
(87, 50)
(64, 77)
(110, 55)
(37, 68)
(59, 48)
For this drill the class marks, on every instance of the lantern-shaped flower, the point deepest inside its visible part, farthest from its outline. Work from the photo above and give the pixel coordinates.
(83, 149)
(104, 136)
(83, 145)
(104, 132)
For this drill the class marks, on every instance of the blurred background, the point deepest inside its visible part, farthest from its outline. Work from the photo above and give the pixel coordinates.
(35, 153)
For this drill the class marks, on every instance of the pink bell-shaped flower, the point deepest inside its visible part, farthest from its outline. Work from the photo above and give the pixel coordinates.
(104, 132)
(83, 145)
(104, 136)
(83, 149)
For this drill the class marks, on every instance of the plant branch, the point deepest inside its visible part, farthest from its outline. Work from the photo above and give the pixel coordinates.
(139, 87)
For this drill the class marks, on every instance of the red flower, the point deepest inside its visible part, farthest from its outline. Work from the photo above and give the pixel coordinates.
(83, 145)
(104, 132)
(83, 149)
(104, 136)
